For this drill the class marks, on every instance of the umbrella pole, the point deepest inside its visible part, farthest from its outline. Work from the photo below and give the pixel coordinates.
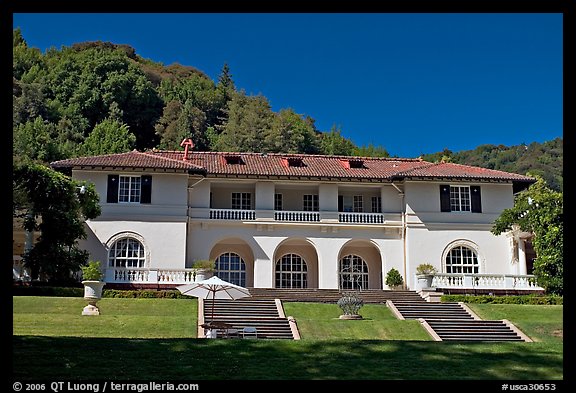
(213, 296)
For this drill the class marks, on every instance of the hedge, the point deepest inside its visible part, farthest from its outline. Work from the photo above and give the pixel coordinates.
(507, 299)
(175, 294)
(79, 292)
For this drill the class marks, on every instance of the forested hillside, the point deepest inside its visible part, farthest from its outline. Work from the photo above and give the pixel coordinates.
(98, 98)
(544, 159)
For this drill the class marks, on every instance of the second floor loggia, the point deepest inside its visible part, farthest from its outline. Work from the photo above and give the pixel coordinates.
(294, 202)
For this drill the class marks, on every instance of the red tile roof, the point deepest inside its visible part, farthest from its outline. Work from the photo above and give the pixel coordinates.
(133, 159)
(275, 165)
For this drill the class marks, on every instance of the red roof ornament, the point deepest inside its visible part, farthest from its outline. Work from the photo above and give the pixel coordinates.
(187, 142)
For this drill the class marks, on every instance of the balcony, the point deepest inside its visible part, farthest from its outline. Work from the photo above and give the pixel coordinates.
(297, 216)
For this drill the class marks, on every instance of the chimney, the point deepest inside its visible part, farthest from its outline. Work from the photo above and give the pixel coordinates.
(186, 142)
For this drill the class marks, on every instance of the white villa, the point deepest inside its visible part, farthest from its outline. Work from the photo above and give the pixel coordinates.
(300, 221)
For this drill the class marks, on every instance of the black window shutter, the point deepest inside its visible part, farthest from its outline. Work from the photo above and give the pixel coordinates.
(476, 199)
(340, 203)
(445, 198)
(146, 189)
(112, 192)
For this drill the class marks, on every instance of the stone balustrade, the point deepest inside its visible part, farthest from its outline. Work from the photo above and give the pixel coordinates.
(485, 281)
(302, 216)
(361, 218)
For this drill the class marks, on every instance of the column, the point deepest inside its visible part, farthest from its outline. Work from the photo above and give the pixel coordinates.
(521, 257)
(328, 202)
(264, 203)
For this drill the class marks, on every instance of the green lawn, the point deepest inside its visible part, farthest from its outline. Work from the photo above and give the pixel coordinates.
(120, 318)
(154, 339)
(320, 321)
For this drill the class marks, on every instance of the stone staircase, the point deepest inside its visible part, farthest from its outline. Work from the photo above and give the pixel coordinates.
(453, 322)
(370, 296)
(444, 321)
(425, 310)
(266, 315)
(473, 330)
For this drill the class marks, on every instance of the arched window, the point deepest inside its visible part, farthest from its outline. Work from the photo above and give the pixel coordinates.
(230, 267)
(126, 252)
(291, 272)
(462, 259)
(353, 273)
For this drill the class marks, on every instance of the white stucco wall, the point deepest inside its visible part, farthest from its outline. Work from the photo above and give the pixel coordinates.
(423, 200)
(169, 194)
(429, 245)
(164, 242)
(268, 242)
(160, 225)
(173, 242)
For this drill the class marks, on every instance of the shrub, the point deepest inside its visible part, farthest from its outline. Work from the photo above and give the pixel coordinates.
(425, 268)
(394, 278)
(204, 264)
(92, 272)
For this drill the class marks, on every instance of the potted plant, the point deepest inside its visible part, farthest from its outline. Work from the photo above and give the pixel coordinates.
(425, 274)
(350, 305)
(394, 279)
(202, 269)
(91, 278)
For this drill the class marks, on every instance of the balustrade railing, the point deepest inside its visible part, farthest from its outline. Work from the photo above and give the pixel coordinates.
(149, 276)
(361, 218)
(232, 214)
(485, 281)
(287, 215)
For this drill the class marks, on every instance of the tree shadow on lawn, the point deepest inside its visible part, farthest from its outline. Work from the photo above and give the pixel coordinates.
(75, 358)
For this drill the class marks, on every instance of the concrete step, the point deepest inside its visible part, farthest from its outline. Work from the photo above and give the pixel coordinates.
(425, 310)
(475, 330)
(249, 312)
(273, 329)
(332, 295)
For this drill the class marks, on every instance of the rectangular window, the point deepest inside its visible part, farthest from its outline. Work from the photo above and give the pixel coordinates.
(349, 203)
(278, 202)
(129, 189)
(241, 201)
(460, 198)
(376, 204)
(310, 203)
(358, 204)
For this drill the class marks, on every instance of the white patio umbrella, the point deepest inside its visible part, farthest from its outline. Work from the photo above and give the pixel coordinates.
(214, 288)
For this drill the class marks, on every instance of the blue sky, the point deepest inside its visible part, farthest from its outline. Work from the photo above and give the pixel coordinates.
(413, 83)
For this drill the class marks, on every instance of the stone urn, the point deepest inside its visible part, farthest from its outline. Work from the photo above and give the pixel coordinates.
(424, 275)
(424, 280)
(92, 293)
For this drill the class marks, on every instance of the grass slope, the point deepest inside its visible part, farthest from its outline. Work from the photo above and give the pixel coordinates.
(153, 339)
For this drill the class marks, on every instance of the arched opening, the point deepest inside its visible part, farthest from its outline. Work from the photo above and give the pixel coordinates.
(127, 250)
(352, 273)
(295, 264)
(461, 259)
(359, 266)
(230, 267)
(234, 261)
(291, 271)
